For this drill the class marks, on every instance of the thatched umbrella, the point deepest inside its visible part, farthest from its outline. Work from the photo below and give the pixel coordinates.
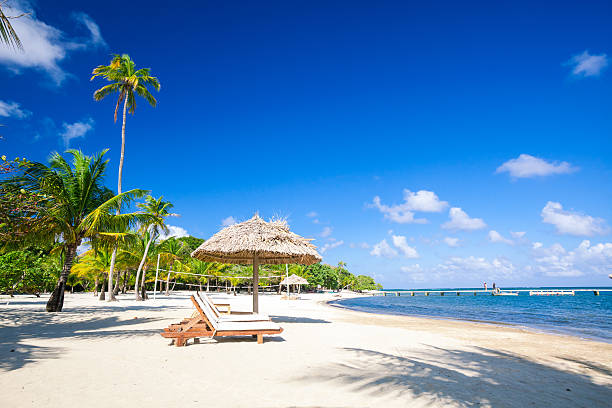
(294, 280)
(257, 242)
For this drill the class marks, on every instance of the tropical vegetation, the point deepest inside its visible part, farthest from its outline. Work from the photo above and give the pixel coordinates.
(62, 228)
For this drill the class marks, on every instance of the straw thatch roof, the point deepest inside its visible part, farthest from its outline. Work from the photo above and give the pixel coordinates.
(294, 280)
(272, 242)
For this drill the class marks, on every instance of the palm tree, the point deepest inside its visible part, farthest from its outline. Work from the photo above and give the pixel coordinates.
(77, 206)
(93, 264)
(7, 34)
(157, 209)
(127, 81)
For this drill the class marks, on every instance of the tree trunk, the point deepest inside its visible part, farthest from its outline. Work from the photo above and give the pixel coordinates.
(111, 295)
(56, 301)
(168, 284)
(142, 285)
(124, 286)
(96, 286)
(207, 284)
(140, 266)
(103, 290)
(173, 284)
(116, 289)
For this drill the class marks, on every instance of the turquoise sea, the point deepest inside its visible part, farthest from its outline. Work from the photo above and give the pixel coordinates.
(584, 314)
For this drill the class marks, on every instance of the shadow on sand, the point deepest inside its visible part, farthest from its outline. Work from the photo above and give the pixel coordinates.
(18, 325)
(482, 377)
(294, 319)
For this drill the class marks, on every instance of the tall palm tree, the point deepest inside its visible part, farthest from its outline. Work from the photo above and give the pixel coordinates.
(157, 209)
(128, 82)
(77, 206)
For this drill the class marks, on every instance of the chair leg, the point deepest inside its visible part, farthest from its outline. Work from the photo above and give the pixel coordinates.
(260, 339)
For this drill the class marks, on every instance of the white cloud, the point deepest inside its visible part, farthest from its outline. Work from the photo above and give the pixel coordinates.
(496, 237)
(415, 272)
(401, 244)
(362, 245)
(383, 249)
(44, 46)
(75, 130)
(474, 268)
(585, 64)
(526, 166)
(329, 246)
(459, 220)
(174, 231)
(94, 30)
(585, 259)
(423, 200)
(572, 223)
(312, 214)
(226, 222)
(10, 109)
(327, 231)
(517, 234)
(451, 242)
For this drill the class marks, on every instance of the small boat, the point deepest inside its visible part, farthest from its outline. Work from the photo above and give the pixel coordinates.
(502, 293)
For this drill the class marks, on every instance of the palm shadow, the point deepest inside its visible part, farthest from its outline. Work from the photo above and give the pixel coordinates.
(464, 378)
(296, 319)
(19, 325)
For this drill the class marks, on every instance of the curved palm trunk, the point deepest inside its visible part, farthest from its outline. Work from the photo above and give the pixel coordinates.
(142, 262)
(143, 288)
(111, 296)
(56, 301)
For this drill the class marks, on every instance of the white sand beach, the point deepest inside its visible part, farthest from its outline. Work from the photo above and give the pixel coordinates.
(99, 354)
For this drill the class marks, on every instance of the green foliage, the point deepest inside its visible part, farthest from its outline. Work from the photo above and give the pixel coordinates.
(323, 275)
(364, 282)
(125, 80)
(27, 271)
(191, 242)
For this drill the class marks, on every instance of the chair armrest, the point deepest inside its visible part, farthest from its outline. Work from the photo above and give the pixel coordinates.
(224, 305)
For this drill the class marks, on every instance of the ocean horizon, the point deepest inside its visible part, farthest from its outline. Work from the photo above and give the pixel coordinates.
(583, 314)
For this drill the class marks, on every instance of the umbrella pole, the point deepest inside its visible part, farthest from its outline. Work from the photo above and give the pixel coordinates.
(255, 284)
(287, 271)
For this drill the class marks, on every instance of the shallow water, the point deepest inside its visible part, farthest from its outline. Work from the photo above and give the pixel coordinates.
(583, 315)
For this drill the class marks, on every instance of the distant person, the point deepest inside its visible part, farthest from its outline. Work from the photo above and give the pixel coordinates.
(485, 285)
(493, 286)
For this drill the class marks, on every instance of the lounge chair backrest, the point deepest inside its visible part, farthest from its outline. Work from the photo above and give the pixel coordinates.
(210, 316)
(208, 300)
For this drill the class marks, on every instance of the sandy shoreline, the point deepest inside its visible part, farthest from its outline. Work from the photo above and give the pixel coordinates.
(100, 354)
(526, 328)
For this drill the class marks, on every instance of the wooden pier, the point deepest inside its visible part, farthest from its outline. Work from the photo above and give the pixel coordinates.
(480, 292)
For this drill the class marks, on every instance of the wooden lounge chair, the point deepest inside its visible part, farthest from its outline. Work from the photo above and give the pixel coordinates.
(233, 316)
(206, 324)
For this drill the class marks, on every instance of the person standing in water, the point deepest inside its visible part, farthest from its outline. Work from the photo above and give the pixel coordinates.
(485, 285)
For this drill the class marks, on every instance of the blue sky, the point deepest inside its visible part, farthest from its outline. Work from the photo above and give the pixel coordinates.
(483, 129)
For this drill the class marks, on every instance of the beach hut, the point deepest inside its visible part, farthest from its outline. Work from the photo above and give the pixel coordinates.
(257, 242)
(294, 280)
